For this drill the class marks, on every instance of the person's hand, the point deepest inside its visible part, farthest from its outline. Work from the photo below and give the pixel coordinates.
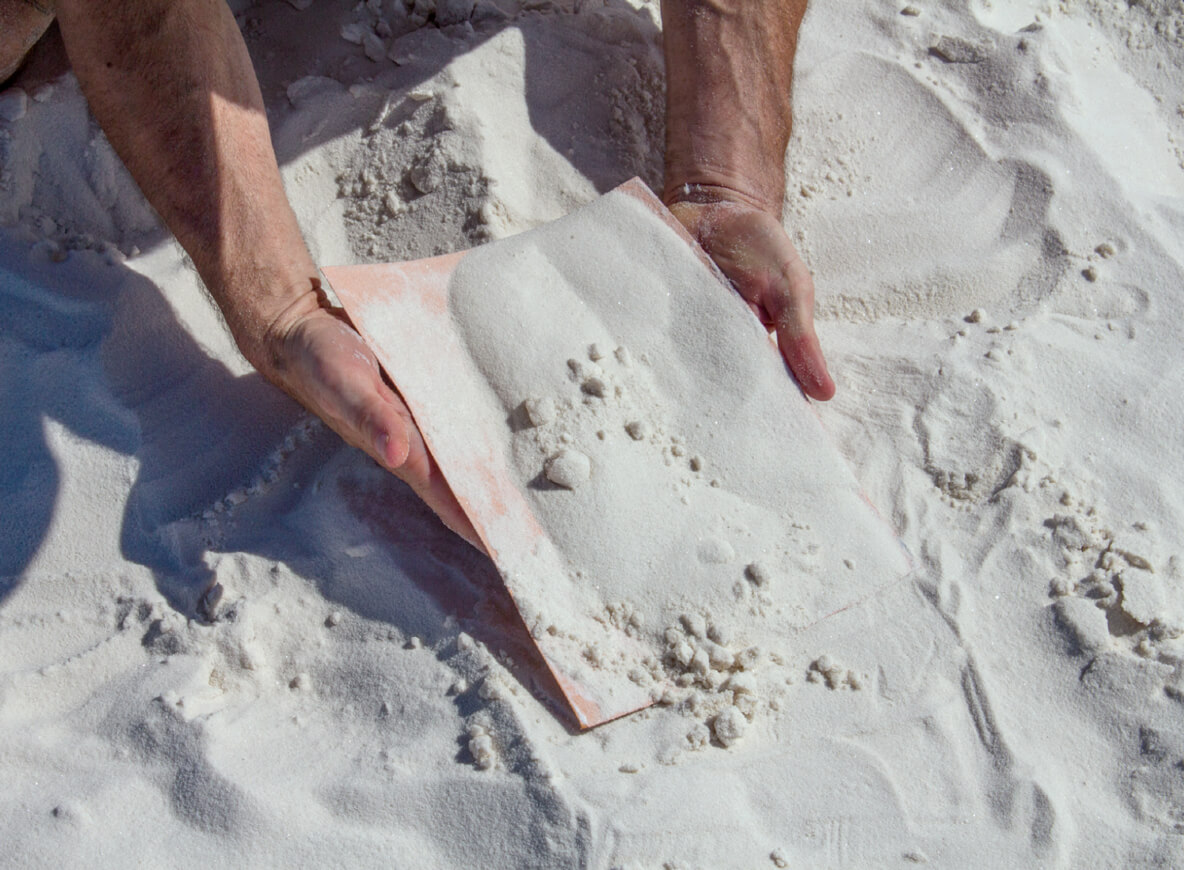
(171, 82)
(751, 248)
(315, 356)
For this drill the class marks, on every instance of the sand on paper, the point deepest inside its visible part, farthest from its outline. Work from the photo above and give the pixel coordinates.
(629, 445)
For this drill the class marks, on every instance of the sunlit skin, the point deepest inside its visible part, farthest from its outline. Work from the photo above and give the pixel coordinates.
(172, 85)
(22, 23)
(729, 72)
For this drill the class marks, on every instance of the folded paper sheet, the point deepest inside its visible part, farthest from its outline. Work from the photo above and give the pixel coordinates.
(626, 440)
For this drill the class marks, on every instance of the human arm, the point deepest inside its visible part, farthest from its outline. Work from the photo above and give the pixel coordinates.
(729, 71)
(172, 86)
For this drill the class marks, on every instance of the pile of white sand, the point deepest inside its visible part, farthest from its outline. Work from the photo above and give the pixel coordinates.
(992, 201)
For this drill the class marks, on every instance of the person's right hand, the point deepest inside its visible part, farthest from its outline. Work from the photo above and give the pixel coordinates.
(314, 355)
(751, 248)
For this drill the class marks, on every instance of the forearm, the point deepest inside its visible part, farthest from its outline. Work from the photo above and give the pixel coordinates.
(172, 86)
(729, 71)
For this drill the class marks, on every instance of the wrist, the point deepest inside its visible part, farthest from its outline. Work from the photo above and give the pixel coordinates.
(713, 188)
(261, 310)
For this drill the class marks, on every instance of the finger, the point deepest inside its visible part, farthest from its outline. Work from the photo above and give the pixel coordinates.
(383, 421)
(790, 303)
(387, 424)
(783, 300)
(332, 373)
(803, 354)
(353, 399)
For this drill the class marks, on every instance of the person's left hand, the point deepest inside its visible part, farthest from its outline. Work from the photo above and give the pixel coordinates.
(751, 248)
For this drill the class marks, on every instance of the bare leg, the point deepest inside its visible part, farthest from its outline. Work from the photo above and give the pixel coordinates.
(22, 23)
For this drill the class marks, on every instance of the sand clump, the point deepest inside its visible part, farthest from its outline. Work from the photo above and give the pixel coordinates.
(606, 413)
(568, 469)
(609, 407)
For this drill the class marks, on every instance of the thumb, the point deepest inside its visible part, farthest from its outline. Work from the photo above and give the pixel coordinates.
(789, 301)
(392, 444)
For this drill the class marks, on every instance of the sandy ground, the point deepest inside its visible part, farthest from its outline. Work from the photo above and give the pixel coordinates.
(991, 197)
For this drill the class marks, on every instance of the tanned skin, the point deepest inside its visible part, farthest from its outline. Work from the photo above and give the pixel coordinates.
(729, 72)
(22, 23)
(172, 85)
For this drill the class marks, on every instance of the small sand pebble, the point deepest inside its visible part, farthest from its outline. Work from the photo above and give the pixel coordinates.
(748, 658)
(720, 657)
(373, 47)
(302, 682)
(637, 430)
(482, 750)
(569, 469)
(540, 411)
(757, 574)
(595, 387)
(741, 684)
(426, 175)
(394, 205)
(1060, 587)
(729, 726)
(695, 624)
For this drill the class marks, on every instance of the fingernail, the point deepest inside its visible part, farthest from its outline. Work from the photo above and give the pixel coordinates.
(380, 445)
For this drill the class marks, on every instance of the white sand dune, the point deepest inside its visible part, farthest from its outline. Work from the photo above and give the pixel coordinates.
(991, 197)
